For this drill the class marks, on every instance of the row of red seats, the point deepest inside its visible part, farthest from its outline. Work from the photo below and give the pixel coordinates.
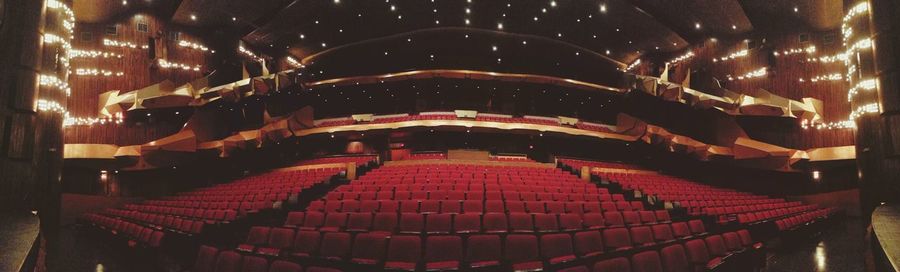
(518, 251)
(594, 127)
(803, 218)
(210, 259)
(511, 159)
(473, 206)
(159, 221)
(390, 222)
(748, 207)
(136, 234)
(462, 191)
(577, 164)
(752, 217)
(359, 160)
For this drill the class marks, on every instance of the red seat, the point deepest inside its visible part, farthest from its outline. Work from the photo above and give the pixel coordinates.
(495, 223)
(716, 246)
(368, 248)
(254, 264)
(631, 218)
(522, 252)
(594, 221)
(647, 261)
(555, 207)
(467, 223)
(473, 206)
(647, 217)
(588, 243)
(662, 233)
(438, 223)
(256, 237)
(494, 206)
(206, 259)
(620, 264)
(642, 236)
(305, 243)
(349, 206)
(617, 239)
(681, 230)
(515, 206)
(557, 248)
(388, 206)
(675, 259)
(403, 253)
(697, 227)
(228, 261)
(747, 240)
(359, 222)
(521, 222)
(334, 221)
(443, 253)
(409, 206)
(535, 207)
(285, 266)
(732, 241)
(385, 222)
(411, 223)
(279, 239)
(574, 207)
(570, 221)
(613, 219)
(450, 206)
(546, 222)
(313, 220)
(368, 206)
(699, 255)
(335, 246)
(483, 251)
(429, 206)
(663, 216)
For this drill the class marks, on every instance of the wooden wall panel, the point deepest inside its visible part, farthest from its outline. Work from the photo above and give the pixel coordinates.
(782, 79)
(140, 70)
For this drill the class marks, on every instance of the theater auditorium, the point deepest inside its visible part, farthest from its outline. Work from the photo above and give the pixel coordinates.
(449, 135)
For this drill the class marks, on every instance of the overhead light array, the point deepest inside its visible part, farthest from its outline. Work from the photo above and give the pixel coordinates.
(249, 54)
(293, 62)
(76, 53)
(97, 72)
(830, 77)
(686, 56)
(174, 65)
(733, 56)
(121, 44)
(192, 45)
(761, 72)
(632, 65)
(53, 81)
(793, 51)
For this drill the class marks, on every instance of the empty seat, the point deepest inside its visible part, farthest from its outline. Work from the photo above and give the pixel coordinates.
(483, 251)
(495, 223)
(368, 206)
(228, 261)
(256, 237)
(368, 248)
(647, 261)
(617, 239)
(697, 227)
(521, 222)
(388, 206)
(294, 219)
(443, 252)
(594, 221)
(285, 266)
(279, 239)
(747, 240)
(642, 236)
(411, 223)
(613, 219)
(588, 243)
(306, 243)
(359, 222)
(254, 264)
(384, 222)
(522, 252)
(647, 217)
(206, 259)
(403, 253)
(557, 248)
(429, 206)
(313, 220)
(732, 241)
(467, 223)
(662, 233)
(674, 259)
(335, 246)
(438, 223)
(681, 230)
(473, 206)
(545, 223)
(494, 206)
(716, 246)
(620, 264)
(631, 218)
(570, 221)
(663, 216)
(698, 254)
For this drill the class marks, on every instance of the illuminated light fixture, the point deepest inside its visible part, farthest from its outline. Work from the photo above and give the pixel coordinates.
(864, 85)
(50, 106)
(192, 45)
(249, 54)
(337, 1)
(697, 25)
(97, 72)
(603, 8)
(233, 19)
(114, 43)
(607, 52)
(734, 27)
(494, 48)
(53, 81)
(293, 62)
(831, 77)
(467, 21)
(124, 2)
(685, 56)
(499, 26)
(553, 3)
(632, 65)
(174, 65)
(864, 109)
(828, 59)
(193, 17)
(76, 53)
(732, 56)
(845, 124)
(761, 72)
(809, 50)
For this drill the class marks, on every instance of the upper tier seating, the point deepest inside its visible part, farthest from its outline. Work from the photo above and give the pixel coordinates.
(725, 205)
(511, 158)
(359, 160)
(577, 164)
(188, 212)
(427, 156)
(435, 216)
(537, 120)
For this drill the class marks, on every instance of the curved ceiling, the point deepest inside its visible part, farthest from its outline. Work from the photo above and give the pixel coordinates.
(626, 28)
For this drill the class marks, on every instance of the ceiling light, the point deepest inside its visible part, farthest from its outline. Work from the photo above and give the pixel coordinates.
(124, 2)
(233, 19)
(468, 10)
(553, 4)
(337, 1)
(193, 17)
(494, 48)
(603, 8)
(607, 51)
(324, 45)
(697, 25)
(500, 26)
(796, 9)
(733, 27)
(467, 21)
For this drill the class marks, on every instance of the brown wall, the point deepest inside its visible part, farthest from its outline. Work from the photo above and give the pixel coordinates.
(139, 71)
(782, 79)
(847, 200)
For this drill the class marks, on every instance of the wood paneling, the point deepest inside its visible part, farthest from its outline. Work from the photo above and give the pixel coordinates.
(782, 79)
(140, 70)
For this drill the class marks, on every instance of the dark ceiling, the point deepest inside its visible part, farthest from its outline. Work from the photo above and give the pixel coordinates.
(626, 28)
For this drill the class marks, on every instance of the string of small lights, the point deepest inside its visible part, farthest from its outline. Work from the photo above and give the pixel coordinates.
(77, 53)
(761, 72)
(165, 64)
(97, 72)
(246, 52)
(121, 44)
(193, 45)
